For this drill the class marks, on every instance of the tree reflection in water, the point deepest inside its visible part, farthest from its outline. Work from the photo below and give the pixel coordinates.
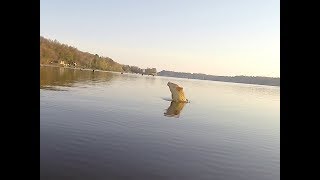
(52, 77)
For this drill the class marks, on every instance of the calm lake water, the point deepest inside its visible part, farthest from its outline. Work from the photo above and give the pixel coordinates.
(105, 125)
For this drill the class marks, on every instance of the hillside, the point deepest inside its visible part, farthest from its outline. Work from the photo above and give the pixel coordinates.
(54, 52)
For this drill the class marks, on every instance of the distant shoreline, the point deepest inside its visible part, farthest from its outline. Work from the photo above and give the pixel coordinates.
(88, 69)
(221, 81)
(259, 80)
(160, 75)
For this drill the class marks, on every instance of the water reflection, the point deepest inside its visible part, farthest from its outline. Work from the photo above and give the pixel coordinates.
(51, 77)
(174, 109)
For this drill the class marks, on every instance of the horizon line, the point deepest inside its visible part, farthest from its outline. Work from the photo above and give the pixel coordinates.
(155, 67)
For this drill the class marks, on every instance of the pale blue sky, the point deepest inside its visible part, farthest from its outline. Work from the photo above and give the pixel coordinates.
(225, 37)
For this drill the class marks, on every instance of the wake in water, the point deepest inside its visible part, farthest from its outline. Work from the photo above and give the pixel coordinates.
(166, 99)
(170, 99)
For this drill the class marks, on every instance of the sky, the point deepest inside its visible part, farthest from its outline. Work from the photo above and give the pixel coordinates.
(225, 37)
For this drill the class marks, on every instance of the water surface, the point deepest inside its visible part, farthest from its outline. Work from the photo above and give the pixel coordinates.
(106, 125)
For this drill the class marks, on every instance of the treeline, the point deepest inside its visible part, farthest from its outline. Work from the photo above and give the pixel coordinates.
(236, 79)
(135, 69)
(54, 52)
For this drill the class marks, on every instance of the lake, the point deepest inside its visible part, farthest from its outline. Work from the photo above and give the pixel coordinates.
(107, 125)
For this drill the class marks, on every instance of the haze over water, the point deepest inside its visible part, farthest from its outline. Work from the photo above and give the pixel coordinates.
(105, 125)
